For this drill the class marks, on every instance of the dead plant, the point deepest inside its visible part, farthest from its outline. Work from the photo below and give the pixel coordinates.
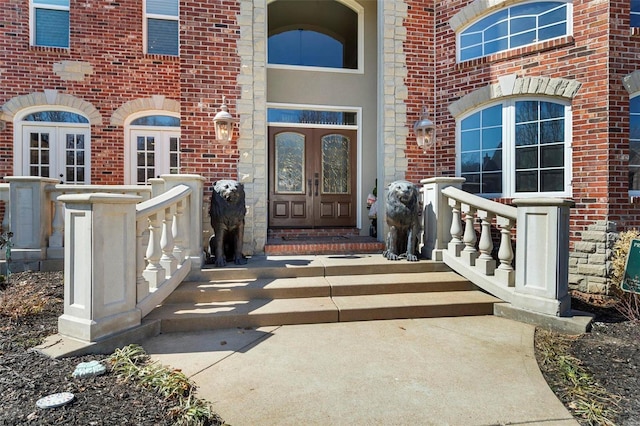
(628, 303)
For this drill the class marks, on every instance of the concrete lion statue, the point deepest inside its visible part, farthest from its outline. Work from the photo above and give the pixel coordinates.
(402, 216)
(227, 213)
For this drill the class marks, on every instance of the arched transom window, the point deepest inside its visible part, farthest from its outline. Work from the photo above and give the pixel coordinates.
(325, 34)
(515, 26)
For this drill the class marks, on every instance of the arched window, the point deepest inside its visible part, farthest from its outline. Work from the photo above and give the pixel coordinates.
(515, 26)
(153, 147)
(314, 34)
(516, 148)
(54, 144)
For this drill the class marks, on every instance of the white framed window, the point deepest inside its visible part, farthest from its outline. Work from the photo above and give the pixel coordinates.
(153, 147)
(161, 27)
(515, 26)
(316, 36)
(635, 13)
(54, 144)
(517, 148)
(634, 146)
(49, 23)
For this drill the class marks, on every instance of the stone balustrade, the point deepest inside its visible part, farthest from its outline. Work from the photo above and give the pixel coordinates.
(539, 280)
(131, 253)
(123, 251)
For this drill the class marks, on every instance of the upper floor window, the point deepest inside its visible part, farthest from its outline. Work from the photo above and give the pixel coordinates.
(50, 23)
(516, 148)
(635, 13)
(161, 27)
(315, 34)
(515, 26)
(634, 146)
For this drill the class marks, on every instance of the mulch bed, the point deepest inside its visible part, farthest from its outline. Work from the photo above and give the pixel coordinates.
(611, 353)
(26, 375)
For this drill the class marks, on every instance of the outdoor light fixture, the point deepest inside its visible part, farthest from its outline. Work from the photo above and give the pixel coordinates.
(424, 129)
(224, 123)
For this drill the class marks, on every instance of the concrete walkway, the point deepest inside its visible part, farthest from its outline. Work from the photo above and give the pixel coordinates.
(443, 371)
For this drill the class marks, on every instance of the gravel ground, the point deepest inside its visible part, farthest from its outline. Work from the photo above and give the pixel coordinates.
(610, 352)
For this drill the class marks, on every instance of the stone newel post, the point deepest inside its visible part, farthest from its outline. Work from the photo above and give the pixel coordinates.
(436, 215)
(99, 265)
(542, 257)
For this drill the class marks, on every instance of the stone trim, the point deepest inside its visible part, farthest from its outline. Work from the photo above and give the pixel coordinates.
(590, 262)
(394, 92)
(252, 112)
(15, 105)
(154, 103)
(72, 70)
(515, 86)
(472, 11)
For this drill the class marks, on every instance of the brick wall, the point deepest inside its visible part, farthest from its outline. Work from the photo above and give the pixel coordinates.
(420, 51)
(108, 38)
(209, 66)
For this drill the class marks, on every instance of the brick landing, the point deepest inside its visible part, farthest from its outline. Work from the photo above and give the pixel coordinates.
(311, 244)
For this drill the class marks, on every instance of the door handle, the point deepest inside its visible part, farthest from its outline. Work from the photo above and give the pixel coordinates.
(310, 187)
(317, 182)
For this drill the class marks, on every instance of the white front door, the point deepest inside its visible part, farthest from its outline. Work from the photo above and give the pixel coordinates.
(60, 152)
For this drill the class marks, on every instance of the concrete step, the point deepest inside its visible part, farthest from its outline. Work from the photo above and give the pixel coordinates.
(414, 305)
(340, 285)
(314, 266)
(273, 290)
(181, 317)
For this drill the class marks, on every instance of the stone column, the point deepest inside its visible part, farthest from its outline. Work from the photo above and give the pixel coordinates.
(436, 215)
(99, 265)
(542, 256)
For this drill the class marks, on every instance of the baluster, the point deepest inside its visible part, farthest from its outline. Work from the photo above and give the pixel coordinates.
(178, 233)
(154, 272)
(505, 272)
(455, 245)
(168, 261)
(469, 254)
(142, 285)
(56, 239)
(485, 262)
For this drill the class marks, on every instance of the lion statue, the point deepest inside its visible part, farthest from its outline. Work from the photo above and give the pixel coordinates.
(402, 215)
(227, 220)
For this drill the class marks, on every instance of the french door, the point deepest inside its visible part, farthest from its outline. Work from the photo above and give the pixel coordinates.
(153, 153)
(58, 152)
(312, 177)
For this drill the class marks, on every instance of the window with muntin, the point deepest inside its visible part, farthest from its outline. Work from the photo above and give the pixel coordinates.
(516, 26)
(516, 148)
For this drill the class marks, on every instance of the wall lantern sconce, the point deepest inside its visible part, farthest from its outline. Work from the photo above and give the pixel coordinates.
(424, 129)
(224, 123)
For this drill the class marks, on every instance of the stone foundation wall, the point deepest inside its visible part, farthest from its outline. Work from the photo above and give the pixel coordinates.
(590, 261)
